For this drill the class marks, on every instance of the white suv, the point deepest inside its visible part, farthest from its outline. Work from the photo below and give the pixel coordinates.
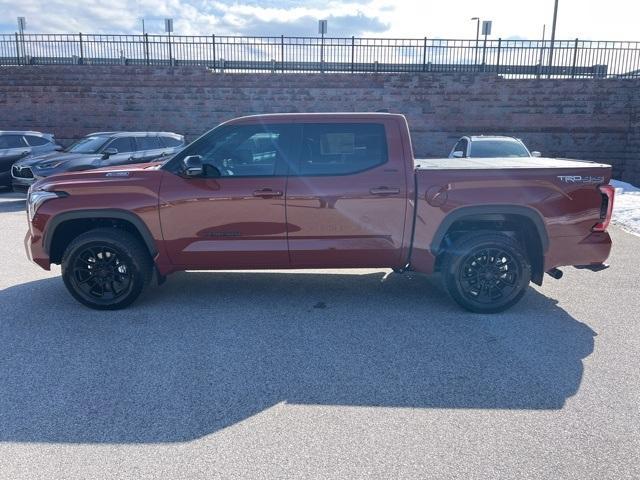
(490, 147)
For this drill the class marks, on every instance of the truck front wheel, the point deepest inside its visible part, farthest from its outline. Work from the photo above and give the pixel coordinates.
(106, 268)
(486, 272)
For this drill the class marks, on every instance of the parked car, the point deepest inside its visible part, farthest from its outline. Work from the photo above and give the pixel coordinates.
(15, 145)
(490, 147)
(100, 149)
(290, 191)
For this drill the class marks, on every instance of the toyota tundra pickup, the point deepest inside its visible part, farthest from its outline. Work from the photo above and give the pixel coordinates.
(339, 190)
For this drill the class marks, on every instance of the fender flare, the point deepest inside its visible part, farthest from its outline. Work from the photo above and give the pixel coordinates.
(118, 214)
(462, 212)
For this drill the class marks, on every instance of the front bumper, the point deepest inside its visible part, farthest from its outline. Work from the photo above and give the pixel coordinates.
(22, 184)
(35, 252)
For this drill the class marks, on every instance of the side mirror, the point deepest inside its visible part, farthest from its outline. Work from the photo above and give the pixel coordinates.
(458, 154)
(107, 152)
(58, 148)
(535, 153)
(192, 166)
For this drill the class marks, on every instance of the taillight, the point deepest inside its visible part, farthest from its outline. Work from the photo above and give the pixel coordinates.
(606, 207)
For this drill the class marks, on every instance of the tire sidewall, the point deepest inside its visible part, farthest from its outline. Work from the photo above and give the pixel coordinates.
(137, 277)
(463, 248)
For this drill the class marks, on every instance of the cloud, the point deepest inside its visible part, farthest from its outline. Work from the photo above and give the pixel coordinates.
(196, 17)
(612, 20)
(341, 26)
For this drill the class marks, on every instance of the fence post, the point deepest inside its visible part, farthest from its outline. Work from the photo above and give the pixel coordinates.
(81, 59)
(353, 50)
(498, 60)
(213, 37)
(575, 59)
(424, 55)
(146, 48)
(484, 54)
(282, 52)
(540, 61)
(18, 62)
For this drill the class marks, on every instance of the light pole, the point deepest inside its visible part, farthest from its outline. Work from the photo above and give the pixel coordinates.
(477, 19)
(322, 30)
(486, 31)
(22, 24)
(553, 37)
(544, 31)
(168, 27)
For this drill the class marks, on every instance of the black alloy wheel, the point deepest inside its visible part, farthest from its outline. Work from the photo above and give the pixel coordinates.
(486, 272)
(100, 275)
(106, 268)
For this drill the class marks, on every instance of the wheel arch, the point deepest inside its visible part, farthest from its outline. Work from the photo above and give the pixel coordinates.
(85, 220)
(524, 222)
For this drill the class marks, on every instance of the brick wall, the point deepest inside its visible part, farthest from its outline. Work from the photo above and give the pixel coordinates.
(588, 119)
(631, 165)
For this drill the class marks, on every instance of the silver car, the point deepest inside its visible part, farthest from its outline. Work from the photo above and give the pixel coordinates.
(481, 146)
(99, 149)
(18, 144)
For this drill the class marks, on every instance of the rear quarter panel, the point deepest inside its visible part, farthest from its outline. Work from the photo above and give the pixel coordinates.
(568, 210)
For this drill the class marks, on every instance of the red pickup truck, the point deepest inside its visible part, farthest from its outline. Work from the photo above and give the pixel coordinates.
(339, 190)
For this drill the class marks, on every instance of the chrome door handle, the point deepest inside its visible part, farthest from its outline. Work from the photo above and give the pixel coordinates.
(267, 193)
(384, 191)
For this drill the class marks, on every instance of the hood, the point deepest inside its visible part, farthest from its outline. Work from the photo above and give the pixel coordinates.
(103, 180)
(33, 160)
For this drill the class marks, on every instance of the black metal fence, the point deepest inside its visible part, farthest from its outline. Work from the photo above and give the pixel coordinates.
(510, 58)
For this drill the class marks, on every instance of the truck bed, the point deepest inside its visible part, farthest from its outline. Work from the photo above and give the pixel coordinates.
(501, 163)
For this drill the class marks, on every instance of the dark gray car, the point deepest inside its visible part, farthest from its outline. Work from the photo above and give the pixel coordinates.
(100, 149)
(15, 145)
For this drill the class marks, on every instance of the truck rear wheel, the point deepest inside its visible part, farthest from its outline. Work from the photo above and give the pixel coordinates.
(486, 272)
(106, 268)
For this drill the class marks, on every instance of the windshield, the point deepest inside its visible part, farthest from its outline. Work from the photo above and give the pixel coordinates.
(87, 145)
(497, 148)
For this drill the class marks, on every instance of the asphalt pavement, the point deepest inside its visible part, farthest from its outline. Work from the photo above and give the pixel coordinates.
(318, 374)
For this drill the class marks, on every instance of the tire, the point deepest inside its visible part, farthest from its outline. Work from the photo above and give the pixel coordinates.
(486, 272)
(106, 268)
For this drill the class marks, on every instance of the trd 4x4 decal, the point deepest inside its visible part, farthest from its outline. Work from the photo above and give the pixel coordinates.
(580, 179)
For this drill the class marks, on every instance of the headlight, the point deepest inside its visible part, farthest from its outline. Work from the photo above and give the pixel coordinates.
(36, 198)
(47, 165)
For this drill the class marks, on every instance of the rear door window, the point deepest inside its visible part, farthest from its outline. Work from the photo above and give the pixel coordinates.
(122, 144)
(148, 143)
(170, 141)
(12, 141)
(35, 141)
(342, 148)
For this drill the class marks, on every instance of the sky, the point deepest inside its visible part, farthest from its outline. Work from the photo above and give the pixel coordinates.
(512, 19)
